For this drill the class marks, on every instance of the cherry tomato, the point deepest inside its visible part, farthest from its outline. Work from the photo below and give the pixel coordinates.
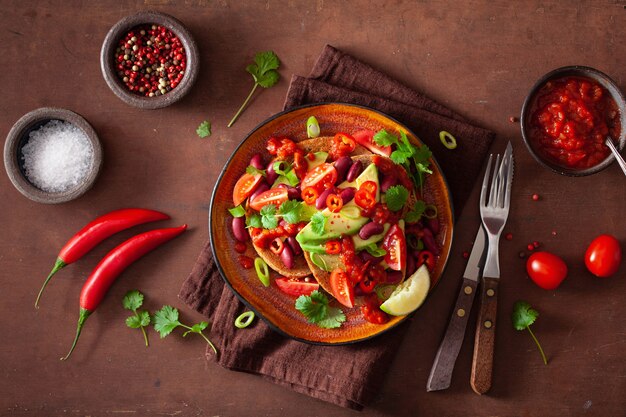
(369, 186)
(341, 288)
(426, 257)
(244, 187)
(365, 138)
(333, 247)
(364, 199)
(277, 246)
(276, 196)
(309, 195)
(334, 203)
(372, 312)
(321, 177)
(296, 286)
(395, 245)
(603, 256)
(342, 145)
(546, 270)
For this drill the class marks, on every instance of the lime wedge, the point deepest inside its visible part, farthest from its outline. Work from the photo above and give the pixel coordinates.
(409, 295)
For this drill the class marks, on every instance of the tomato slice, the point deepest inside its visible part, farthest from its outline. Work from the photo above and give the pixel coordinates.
(342, 290)
(364, 199)
(334, 203)
(276, 196)
(395, 245)
(295, 286)
(321, 177)
(365, 138)
(244, 187)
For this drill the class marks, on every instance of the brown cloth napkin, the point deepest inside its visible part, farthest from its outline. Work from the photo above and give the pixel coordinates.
(349, 375)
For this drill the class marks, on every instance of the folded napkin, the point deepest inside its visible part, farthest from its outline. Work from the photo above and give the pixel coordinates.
(349, 375)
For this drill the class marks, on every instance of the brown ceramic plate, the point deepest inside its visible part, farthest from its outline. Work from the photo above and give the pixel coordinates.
(275, 307)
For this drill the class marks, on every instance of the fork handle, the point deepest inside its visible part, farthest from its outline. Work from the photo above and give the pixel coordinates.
(485, 338)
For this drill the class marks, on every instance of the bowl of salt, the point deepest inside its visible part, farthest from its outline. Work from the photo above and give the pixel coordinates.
(52, 155)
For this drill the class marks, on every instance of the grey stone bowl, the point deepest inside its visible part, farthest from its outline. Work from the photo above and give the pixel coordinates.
(18, 137)
(107, 59)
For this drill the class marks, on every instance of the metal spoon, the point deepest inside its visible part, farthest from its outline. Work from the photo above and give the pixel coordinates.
(620, 160)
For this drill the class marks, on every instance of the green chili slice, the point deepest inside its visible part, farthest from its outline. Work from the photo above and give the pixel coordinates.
(312, 127)
(244, 320)
(447, 139)
(281, 167)
(262, 271)
(238, 211)
(431, 211)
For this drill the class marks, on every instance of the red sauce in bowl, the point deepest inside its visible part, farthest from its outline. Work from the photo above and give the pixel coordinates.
(569, 121)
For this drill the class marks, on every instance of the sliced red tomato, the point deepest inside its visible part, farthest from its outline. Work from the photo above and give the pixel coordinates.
(244, 187)
(341, 287)
(321, 177)
(276, 196)
(365, 138)
(395, 245)
(296, 286)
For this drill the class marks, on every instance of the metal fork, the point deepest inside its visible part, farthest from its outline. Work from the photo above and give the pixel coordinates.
(494, 211)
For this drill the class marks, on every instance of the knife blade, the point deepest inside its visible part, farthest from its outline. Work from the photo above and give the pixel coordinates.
(443, 365)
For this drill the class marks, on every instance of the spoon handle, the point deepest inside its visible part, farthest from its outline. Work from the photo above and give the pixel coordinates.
(619, 158)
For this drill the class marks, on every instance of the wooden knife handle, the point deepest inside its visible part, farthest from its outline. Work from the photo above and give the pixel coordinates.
(484, 341)
(441, 372)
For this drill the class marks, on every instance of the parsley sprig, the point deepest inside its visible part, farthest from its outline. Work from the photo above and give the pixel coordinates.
(414, 159)
(317, 311)
(132, 301)
(523, 316)
(264, 73)
(166, 320)
(268, 218)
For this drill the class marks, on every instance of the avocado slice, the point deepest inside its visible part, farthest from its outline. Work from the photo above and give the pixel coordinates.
(337, 224)
(320, 158)
(359, 243)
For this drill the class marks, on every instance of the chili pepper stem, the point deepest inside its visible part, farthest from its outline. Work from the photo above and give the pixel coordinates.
(543, 355)
(243, 106)
(82, 317)
(58, 265)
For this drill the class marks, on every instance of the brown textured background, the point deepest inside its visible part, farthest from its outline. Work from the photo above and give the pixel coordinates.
(479, 58)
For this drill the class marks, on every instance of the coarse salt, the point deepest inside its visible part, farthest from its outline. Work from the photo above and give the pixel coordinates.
(57, 157)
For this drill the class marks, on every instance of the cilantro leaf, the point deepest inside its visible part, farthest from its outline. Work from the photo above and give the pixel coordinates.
(375, 251)
(316, 309)
(290, 211)
(265, 74)
(414, 215)
(254, 221)
(396, 197)
(238, 211)
(522, 317)
(204, 129)
(254, 171)
(166, 320)
(196, 328)
(318, 223)
(133, 322)
(268, 216)
(144, 318)
(385, 138)
(132, 300)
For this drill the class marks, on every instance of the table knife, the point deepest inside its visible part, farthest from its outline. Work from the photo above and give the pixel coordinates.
(441, 372)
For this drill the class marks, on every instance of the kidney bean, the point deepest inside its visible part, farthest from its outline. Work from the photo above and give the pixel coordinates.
(239, 229)
(370, 229)
(433, 225)
(394, 277)
(295, 246)
(429, 242)
(354, 171)
(257, 161)
(366, 256)
(347, 194)
(342, 165)
(292, 192)
(262, 187)
(414, 229)
(388, 182)
(320, 203)
(271, 175)
(287, 257)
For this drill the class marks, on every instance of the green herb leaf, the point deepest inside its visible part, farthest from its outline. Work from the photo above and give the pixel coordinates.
(254, 220)
(268, 216)
(238, 211)
(165, 320)
(316, 309)
(375, 251)
(133, 322)
(281, 167)
(132, 300)
(396, 197)
(290, 210)
(254, 171)
(414, 215)
(204, 129)
(144, 318)
(318, 223)
(334, 318)
(385, 138)
(523, 315)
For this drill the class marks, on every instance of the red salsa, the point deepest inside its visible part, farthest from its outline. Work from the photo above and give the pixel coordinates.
(570, 119)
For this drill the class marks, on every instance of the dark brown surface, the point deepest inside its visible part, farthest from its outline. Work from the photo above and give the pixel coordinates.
(485, 337)
(479, 59)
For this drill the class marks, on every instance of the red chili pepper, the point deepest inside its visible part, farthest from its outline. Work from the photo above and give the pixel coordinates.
(95, 232)
(112, 265)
